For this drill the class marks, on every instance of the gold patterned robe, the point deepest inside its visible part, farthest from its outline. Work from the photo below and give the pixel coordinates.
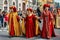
(58, 21)
(38, 31)
(14, 25)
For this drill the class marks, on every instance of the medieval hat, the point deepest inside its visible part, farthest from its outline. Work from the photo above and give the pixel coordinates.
(46, 5)
(29, 9)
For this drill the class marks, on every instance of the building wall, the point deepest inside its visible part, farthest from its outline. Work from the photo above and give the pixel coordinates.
(42, 2)
(32, 4)
(19, 4)
(1, 4)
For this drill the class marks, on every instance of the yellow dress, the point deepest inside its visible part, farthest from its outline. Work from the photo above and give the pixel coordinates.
(23, 26)
(38, 31)
(58, 21)
(14, 25)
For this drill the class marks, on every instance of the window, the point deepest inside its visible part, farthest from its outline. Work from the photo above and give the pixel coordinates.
(5, 9)
(5, 2)
(19, 4)
(19, 9)
(13, 3)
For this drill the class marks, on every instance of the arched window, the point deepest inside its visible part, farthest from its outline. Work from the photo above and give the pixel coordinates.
(5, 2)
(13, 3)
(19, 4)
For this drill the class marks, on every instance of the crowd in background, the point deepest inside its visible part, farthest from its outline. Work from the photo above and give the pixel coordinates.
(4, 18)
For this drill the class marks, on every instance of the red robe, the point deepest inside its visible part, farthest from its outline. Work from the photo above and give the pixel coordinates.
(48, 28)
(30, 28)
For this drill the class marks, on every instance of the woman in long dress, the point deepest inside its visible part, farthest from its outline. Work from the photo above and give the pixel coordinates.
(58, 18)
(53, 11)
(30, 24)
(48, 27)
(14, 25)
(36, 22)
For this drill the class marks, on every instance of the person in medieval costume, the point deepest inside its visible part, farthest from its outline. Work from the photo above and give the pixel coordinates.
(23, 23)
(39, 13)
(48, 27)
(1, 19)
(13, 20)
(37, 27)
(30, 24)
(53, 11)
(58, 18)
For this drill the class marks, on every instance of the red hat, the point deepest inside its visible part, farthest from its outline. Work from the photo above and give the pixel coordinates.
(46, 5)
(14, 9)
(29, 9)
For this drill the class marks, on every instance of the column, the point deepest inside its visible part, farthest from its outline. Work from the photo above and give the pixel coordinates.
(1, 4)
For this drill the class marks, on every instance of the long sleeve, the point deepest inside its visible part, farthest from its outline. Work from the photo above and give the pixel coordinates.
(51, 15)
